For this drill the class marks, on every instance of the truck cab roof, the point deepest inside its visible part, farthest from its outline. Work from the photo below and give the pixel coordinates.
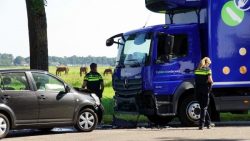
(161, 27)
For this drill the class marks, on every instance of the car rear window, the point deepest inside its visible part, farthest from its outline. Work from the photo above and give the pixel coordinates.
(14, 81)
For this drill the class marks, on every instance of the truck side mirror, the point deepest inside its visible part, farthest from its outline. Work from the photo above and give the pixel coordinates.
(109, 42)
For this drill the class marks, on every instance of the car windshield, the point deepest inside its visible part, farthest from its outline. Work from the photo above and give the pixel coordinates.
(134, 51)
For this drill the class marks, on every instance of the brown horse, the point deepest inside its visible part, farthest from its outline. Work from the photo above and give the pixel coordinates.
(107, 71)
(83, 70)
(61, 69)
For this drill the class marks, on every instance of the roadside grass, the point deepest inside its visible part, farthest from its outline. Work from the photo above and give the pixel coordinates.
(73, 78)
(235, 117)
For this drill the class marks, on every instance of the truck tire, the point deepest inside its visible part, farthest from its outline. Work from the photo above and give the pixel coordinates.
(160, 120)
(189, 111)
(4, 126)
(86, 120)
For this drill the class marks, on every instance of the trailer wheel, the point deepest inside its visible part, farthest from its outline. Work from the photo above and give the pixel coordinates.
(189, 111)
(160, 120)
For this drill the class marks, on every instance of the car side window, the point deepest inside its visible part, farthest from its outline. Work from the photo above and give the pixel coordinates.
(1, 82)
(14, 81)
(45, 82)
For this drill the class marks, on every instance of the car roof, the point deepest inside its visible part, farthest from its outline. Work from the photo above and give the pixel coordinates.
(21, 70)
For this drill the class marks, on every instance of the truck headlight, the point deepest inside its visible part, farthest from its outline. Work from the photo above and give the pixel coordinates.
(96, 98)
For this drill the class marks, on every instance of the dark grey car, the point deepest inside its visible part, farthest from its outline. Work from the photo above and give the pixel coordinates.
(38, 99)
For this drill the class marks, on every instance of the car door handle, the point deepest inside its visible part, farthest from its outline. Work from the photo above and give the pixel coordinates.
(6, 97)
(42, 97)
(188, 71)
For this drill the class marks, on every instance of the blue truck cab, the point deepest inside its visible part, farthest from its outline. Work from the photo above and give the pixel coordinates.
(154, 73)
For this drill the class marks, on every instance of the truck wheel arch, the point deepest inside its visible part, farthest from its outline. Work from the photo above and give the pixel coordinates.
(184, 88)
(187, 88)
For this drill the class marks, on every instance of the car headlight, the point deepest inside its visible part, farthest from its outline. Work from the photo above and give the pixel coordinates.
(96, 98)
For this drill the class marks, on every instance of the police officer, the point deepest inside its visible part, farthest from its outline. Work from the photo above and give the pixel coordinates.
(93, 81)
(203, 83)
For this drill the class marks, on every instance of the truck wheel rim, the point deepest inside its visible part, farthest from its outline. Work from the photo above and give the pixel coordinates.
(193, 111)
(3, 126)
(86, 120)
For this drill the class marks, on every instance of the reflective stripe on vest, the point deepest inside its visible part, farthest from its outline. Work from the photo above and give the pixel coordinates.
(93, 78)
(203, 72)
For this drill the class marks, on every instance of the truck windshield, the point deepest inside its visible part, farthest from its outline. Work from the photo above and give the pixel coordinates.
(134, 51)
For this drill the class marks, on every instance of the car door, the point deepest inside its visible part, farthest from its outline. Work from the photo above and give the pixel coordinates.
(17, 94)
(55, 104)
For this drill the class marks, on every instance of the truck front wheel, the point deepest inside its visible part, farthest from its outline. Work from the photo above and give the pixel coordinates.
(160, 120)
(189, 111)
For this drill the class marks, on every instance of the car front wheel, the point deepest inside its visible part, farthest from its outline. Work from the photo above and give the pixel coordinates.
(86, 120)
(4, 126)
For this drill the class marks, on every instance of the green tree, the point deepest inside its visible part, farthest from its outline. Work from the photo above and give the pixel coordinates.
(19, 60)
(6, 59)
(37, 24)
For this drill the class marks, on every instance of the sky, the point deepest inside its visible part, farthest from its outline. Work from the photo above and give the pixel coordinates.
(75, 27)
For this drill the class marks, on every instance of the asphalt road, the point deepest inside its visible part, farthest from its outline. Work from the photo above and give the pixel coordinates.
(222, 133)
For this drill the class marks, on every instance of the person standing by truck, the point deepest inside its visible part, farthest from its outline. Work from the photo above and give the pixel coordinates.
(93, 81)
(203, 83)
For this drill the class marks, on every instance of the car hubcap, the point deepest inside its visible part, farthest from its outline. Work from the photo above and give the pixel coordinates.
(3, 126)
(86, 120)
(193, 111)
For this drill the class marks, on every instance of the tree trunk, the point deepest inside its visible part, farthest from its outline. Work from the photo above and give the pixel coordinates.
(37, 34)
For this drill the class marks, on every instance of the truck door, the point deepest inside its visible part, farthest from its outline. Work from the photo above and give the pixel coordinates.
(174, 62)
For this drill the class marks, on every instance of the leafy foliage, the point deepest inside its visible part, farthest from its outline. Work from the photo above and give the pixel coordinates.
(6, 59)
(37, 5)
(9, 60)
(19, 60)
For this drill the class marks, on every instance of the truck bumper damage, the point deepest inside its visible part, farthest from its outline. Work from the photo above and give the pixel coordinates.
(145, 103)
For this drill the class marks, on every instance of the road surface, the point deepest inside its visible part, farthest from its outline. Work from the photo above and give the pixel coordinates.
(233, 133)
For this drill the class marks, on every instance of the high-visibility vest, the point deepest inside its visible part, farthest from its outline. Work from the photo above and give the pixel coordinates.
(203, 71)
(201, 75)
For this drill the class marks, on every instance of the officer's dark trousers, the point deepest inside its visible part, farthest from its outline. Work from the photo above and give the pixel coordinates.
(202, 94)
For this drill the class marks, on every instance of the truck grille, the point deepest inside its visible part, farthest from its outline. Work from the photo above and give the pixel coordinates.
(128, 87)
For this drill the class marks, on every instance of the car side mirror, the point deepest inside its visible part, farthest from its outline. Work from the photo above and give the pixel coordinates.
(67, 88)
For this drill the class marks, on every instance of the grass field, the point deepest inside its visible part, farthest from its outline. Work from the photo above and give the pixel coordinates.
(73, 78)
